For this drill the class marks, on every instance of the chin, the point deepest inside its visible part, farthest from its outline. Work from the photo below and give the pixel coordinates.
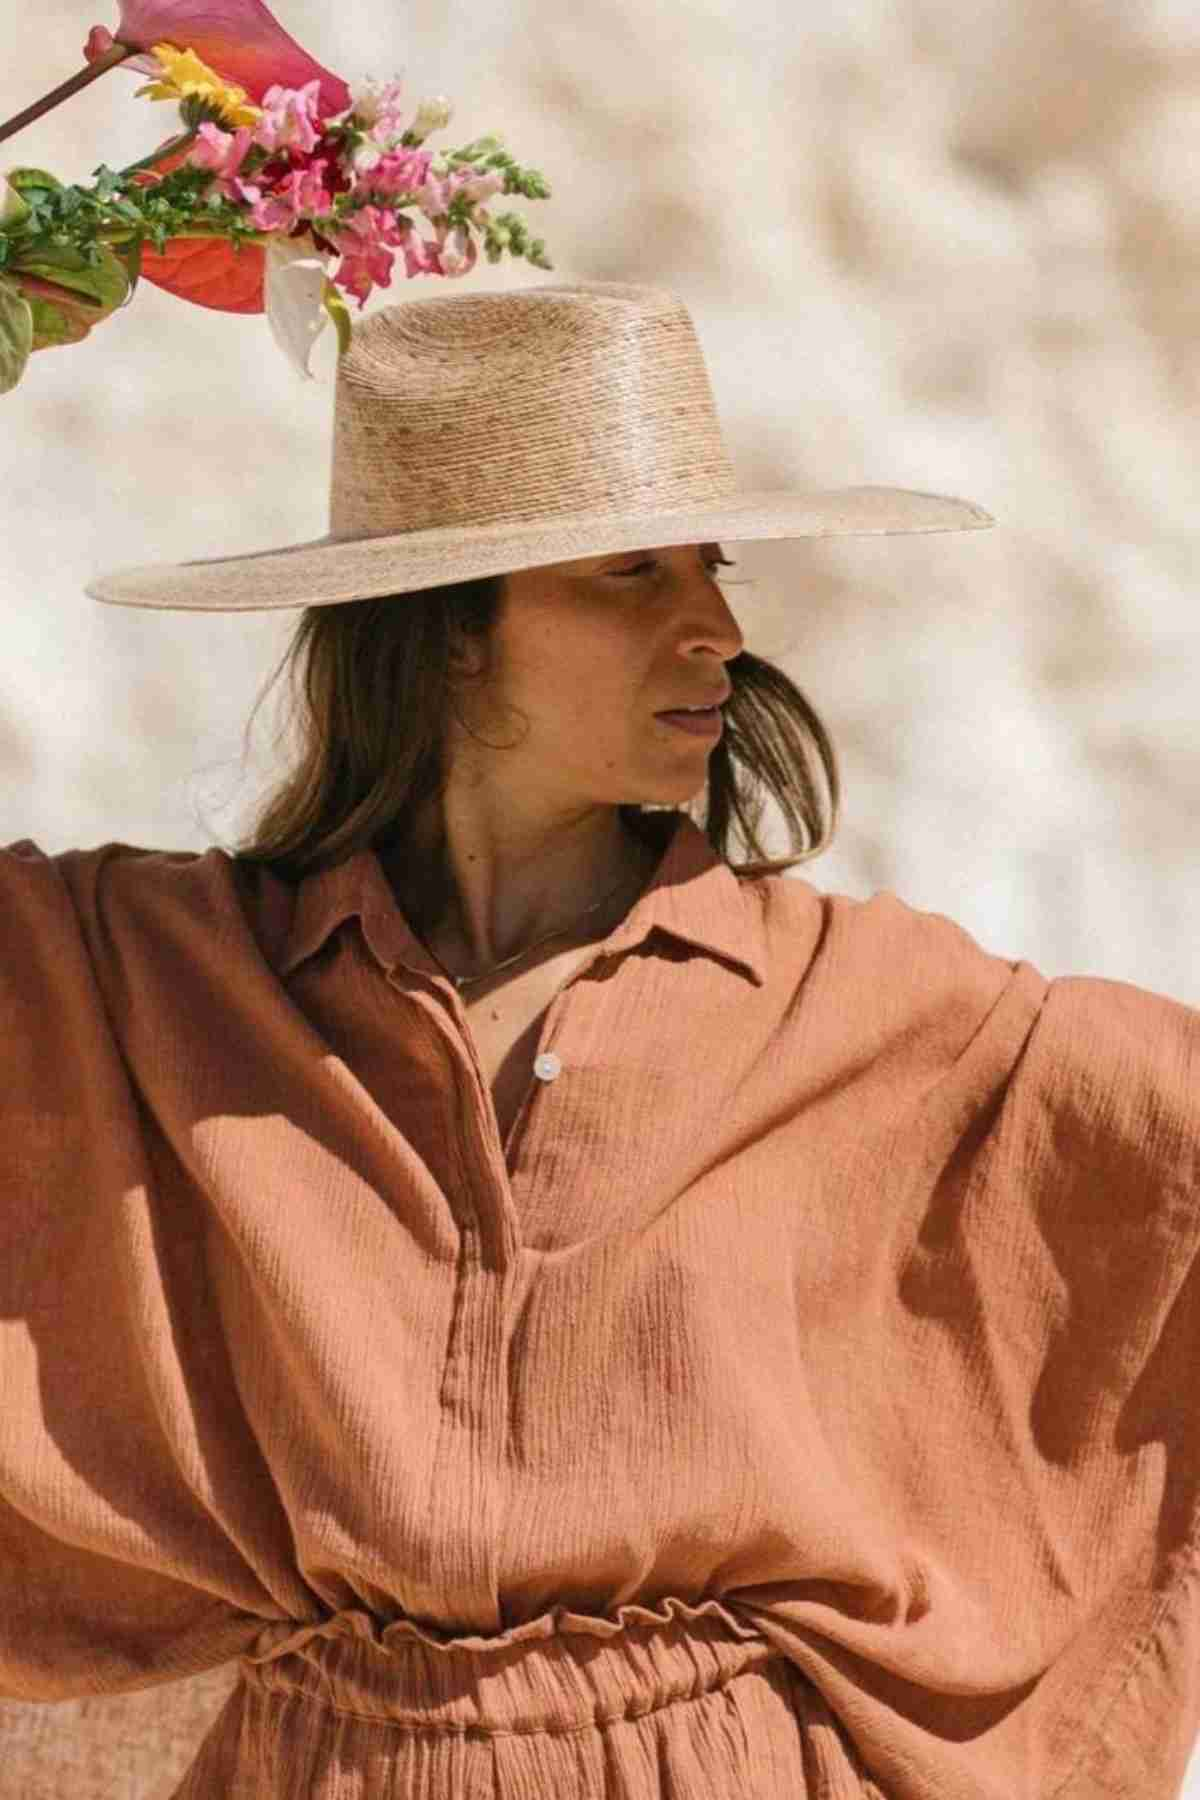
(679, 794)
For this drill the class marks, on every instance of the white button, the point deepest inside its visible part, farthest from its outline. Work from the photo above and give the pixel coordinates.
(547, 1067)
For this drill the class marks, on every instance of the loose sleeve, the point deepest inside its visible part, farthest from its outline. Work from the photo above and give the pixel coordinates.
(1029, 1431)
(113, 1576)
(1097, 1149)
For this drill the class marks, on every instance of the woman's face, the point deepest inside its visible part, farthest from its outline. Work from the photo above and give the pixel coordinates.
(590, 651)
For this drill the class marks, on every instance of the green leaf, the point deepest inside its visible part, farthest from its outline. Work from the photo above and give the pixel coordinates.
(77, 295)
(131, 255)
(16, 335)
(14, 212)
(36, 186)
(55, 325)
(107, 283)
(26, 178)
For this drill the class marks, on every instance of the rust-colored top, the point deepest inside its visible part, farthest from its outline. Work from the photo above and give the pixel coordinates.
(802, 1402)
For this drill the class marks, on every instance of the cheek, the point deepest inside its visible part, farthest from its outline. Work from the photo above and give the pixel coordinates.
(592, 681)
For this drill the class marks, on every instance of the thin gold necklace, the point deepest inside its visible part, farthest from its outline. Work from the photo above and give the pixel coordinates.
(463, 981)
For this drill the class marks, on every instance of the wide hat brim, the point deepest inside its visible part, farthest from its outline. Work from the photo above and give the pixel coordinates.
(332, 570)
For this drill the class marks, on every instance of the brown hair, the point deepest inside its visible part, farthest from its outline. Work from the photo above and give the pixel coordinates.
(376, 688)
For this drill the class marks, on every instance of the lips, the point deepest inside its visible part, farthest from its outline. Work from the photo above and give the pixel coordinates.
(709, 724)
(715, 700)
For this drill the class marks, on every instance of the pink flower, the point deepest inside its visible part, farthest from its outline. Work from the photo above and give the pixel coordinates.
(282, 206)
(377, 109)
(439, 190)
(459, 251)
(366, 242)
(434, 198)
(266, 212)
(290, 119)
(420, 256)
(223, 152)
(305, 188)
(354, 277)
(402, 171)
(477, 187)
(300, 195)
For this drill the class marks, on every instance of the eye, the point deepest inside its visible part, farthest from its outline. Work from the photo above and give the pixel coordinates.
(711, 563)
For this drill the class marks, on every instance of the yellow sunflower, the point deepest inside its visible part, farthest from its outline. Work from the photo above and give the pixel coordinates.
(185, 77)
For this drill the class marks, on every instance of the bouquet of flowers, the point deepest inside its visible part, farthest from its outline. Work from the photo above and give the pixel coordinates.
(285, 192)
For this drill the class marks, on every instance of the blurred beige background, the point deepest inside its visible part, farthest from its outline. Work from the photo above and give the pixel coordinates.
(957, 251)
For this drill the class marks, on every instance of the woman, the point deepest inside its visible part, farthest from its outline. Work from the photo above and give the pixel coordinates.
(570, 1314)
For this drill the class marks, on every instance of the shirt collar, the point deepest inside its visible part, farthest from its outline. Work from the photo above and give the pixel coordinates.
(693, 896)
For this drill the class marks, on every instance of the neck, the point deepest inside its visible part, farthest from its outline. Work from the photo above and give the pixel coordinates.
(476, 904)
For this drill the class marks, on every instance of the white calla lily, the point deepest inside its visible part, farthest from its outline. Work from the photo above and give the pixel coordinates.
(294, 290)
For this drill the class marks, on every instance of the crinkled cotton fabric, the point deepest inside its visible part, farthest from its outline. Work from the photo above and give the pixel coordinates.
(801, 1401)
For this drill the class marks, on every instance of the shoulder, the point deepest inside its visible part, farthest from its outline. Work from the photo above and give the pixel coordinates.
(877, 938)
(1118, 1059)
(117, 892)
(130, 874)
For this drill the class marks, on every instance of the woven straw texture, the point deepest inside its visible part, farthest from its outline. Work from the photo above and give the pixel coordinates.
(479, 433)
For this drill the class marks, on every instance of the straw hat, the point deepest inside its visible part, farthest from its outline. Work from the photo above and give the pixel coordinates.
(483, 433)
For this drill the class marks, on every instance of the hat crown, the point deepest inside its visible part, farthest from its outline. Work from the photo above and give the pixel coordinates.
(525, 406)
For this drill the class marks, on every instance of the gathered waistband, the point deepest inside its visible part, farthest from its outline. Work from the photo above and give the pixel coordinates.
(561, 1680)
(687, 1702)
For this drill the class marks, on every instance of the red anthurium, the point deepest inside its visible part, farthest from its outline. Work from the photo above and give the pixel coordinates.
(206, 271)
(209, 272)
(240, 41)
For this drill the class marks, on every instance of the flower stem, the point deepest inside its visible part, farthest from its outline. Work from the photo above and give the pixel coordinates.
(122, 234)
(93, 72)
(166, 149)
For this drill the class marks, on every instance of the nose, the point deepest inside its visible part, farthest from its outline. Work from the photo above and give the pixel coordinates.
(712, 622)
